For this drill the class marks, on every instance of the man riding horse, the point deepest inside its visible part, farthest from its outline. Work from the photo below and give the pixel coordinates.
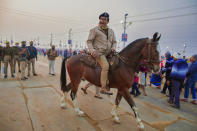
(101, 42)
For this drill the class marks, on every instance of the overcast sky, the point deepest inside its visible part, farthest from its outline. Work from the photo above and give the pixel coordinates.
(28, 19)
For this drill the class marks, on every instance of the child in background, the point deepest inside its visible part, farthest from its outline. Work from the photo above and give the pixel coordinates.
(135, 91)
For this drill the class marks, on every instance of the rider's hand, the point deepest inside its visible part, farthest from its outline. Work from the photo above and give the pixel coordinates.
(94, 54)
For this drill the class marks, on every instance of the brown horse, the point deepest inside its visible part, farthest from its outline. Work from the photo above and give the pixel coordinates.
(121, 78)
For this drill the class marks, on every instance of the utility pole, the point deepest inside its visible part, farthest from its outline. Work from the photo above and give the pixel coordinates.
(184, 49)
(38, 40)
(69, 37)
(125, 26)
(51, 39)
(11, 40)
(60, 44)
(1, 41)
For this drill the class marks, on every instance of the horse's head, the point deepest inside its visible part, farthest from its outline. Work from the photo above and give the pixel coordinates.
(151, 53)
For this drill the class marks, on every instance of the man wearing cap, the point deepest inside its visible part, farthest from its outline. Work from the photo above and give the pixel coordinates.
(32, 58)
(101, 42)
(167, 69)
(23, 55)
(52, 54)
(191, 81)
(177, 74)
(16, 50)
(8, 58)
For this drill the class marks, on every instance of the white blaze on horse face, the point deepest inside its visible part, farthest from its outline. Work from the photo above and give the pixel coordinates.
(159, 50)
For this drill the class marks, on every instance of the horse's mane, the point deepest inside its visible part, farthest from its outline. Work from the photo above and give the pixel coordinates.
(131, 45)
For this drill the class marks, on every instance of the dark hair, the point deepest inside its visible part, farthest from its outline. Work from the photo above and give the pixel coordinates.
(105, 14)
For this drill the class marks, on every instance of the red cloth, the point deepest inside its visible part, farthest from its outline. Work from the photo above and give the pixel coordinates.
(161, 63)
(136, 79)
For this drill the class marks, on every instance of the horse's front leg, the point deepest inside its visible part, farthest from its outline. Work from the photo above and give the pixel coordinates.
(130, 101)
(114, 109)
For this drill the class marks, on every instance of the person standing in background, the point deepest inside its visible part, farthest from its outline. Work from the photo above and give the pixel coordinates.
(1, 57)
(32, 58)
(178, 74)
(52, 54)
(191, 80)
(16, 50)
(167, 70)
(135, 89)
(23, 55)
(8, 58)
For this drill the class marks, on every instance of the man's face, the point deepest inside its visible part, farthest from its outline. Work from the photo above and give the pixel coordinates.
(103, 21)
(53, 47)
(7, 44)
(23, 44)
(31, 43)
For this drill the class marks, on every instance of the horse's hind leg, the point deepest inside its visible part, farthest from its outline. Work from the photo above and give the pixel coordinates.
(63, 99)
(114, 109)
(130, 101)
(73, 93)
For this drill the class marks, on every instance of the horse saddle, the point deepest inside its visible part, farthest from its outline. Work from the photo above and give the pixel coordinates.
(90, 61)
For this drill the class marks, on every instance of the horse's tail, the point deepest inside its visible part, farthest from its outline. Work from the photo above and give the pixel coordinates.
(64, 87)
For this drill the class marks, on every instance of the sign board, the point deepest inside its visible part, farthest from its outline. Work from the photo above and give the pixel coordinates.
(69, 42)
(124, 37)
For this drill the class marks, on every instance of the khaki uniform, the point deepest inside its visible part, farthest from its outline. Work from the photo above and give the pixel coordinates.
(8, 58)
(23, 55)
(52, 54)
(31, 61)
(102, 41)
(16, 50)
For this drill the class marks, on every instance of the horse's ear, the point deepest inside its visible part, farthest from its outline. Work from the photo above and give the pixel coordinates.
(155, 36)
(158, 38)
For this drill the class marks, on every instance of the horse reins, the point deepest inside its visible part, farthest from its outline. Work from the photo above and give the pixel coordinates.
(148, 59)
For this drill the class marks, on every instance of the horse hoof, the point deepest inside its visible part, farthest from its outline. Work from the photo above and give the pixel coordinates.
(63, 106)
(81, 113)
(141, 127)
(116, 120)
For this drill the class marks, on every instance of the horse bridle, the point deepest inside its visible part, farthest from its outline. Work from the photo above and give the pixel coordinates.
(147, 57)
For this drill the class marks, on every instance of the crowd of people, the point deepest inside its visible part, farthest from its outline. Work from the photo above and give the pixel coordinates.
(23, 55)
(177, 72)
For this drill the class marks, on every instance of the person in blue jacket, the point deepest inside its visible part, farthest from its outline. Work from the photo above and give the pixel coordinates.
(191, 80)
(167, 69)
(177, 75)
(32, 58)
